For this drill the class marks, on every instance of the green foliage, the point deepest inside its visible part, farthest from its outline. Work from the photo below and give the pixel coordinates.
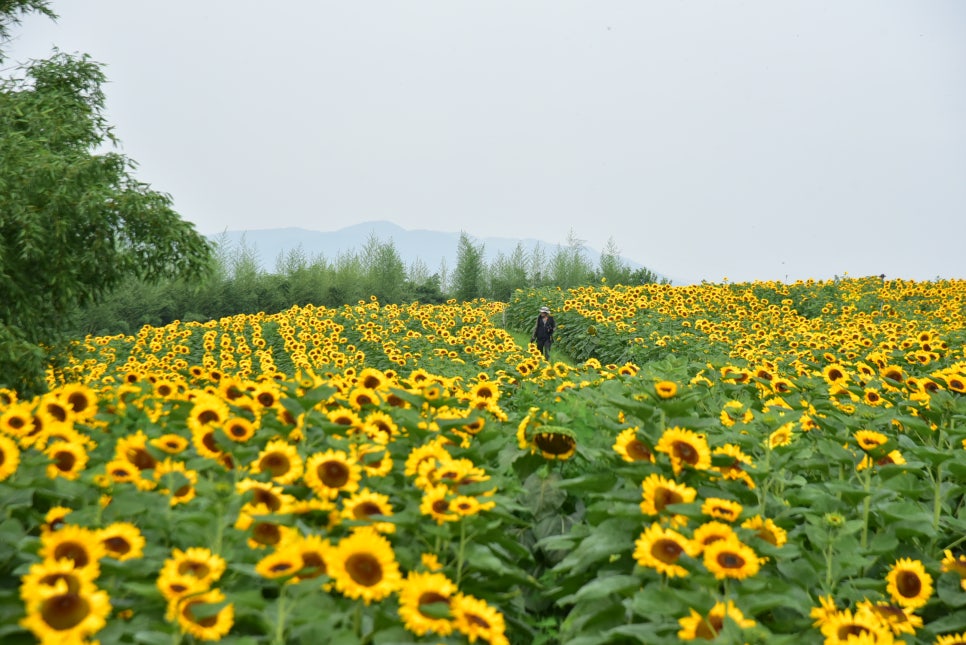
(74, 222)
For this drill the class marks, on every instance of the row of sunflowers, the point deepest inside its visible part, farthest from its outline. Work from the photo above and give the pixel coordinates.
(756, 463)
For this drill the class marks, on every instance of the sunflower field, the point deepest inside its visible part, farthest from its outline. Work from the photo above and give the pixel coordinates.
(730, 463)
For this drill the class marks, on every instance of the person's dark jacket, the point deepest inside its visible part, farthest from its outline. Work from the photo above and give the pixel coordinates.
(543, 329)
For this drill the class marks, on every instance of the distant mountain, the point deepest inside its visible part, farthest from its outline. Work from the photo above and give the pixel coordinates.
(432, 247)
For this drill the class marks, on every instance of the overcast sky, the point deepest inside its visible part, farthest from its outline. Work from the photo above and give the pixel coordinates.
(756, 139)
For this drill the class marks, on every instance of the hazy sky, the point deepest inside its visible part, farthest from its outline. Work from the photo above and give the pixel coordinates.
(757, 139)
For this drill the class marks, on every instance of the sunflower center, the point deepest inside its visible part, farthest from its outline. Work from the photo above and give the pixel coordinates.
(141, 459)
(638, 451)
(709, 628)
(667, 551)
(73, 584)
(440, 506)
(266, 533)
(65, 461)
(265, 399)
(476, 619)
(364, 569)
(664, 497)
(207, 416)
(265, 497)
(196, 569)
(72, 551)
(554, 443)
(77, 401)
(208, 621)
(431, 597)
(117, 545)
(908, 584)
(851, 630)
(275, 463)
(333, 474)
(685, 452)
(729, 560)
(366, 510)
(312, 564)
(65, 611)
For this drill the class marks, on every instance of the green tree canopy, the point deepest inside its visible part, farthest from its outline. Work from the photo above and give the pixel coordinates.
(74, 221)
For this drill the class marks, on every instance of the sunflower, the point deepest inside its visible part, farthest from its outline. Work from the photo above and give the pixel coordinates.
(198, 562)
(722, 509)
(712, 532)
(177, 481)
(707, 627)
(474, 618)
(736, 468)
(17, 420)
(437, 505)
(284, 562)
(956, 564)
(893, 457)
(951, 639)
(49, 572)
(629, 446)
(68, 459)
(363, 565)
(835, 374)
(76, 543)
(380, 427)
(239, 429)
(901, 620)
(366, 506)
(685, 447)
(892, 373)
(660, 549)
(80, 398)
(870, 440)
(209, 410)
(332, 472)
(9, 457)
(173, 444)
(486, 391)
(122, 541)
(783, 436)
(264, 530)
(863, 626)
(665, 389)
(909, 584)
(956, 383)
(55, 518)
(731, 559)
(555, 442)
(59, 614)
(280, 460)
(659, 492)
(133, 449)
(767, 530)
(197, 618)
(421, 591)
(314, 552)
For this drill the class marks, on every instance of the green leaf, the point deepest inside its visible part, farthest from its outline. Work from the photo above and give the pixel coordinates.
(603, 587)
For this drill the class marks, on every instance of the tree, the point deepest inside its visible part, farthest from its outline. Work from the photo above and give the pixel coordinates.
(469, 278)
(612, 267)
(74, 221)
(508, 274)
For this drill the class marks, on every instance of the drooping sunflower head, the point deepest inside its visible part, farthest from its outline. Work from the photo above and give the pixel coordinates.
(554, 442)
(722, 509)
(708, 626)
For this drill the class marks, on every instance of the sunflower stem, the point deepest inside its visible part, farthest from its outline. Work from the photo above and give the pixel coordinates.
(866, 506)
(461, 553)
(281, 618)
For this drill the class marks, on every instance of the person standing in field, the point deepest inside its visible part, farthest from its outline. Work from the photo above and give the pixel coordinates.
(543, 331)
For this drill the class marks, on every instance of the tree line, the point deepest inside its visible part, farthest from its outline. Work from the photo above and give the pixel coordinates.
(235, 283)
